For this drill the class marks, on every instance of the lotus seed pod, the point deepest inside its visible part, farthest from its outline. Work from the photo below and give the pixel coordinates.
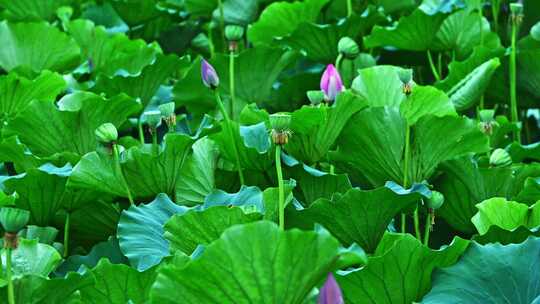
(280, 122)
(516, 8)
(435, 201)
(234, 32)
(348, 47)
(315, 97)
(106, 133)
(405, 75)
(153, 118)
(13, 219)
(167, 109)
(500, 158)
(486, 115)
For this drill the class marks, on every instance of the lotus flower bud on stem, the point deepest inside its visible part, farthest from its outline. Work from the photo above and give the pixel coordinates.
(348, 48)
(406, 76)
(330, 293)
(331, 83)
(500, 158)
(106, 133)
(168, 115)
(280, 124)
(209, 75)
(315, 97)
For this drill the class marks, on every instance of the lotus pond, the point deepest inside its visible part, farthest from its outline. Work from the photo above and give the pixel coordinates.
(264, 151)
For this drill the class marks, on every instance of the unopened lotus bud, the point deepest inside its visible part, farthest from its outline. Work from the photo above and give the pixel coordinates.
(348, 48)
(500, 158)
(209, 75)
(331, 83)
(435, 201)
(234, 32)
(280, 128)
(106, 133)
(13, 219)
(315, 97)
(153, 118)
(330, 293)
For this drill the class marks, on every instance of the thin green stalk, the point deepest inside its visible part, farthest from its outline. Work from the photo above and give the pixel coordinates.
(349, 8)
(222, 21)
(482, 102)
(66, 235)
(211, 42)
(417, 224)
(495, 6)
(513, 90)
(406, 171)
(231, 82)
(439, 64)
(281, 189)
(338, 60)
(155, 141)
(432, 66)
(11, 294)
(141, 132)
(427, 229)
(116, 155)
(231, 134)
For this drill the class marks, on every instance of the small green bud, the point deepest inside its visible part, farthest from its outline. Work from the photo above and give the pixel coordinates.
(153, 118)
(435, 201)
(405, 75)
(167, 109)
(315, 97)
(234, 32)
(500, 158)
(106, 133)
(516, 8)
(280, 121)
(13, 219)
(486, 115)
(348, 47)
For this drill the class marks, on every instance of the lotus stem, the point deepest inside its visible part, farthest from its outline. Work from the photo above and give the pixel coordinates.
(432, 66)
(141, 131)
(280, 188)
(439, 62)
(210, 42)
(116, 155)
(338, 61)
(513, 89)
(11, 293)
(427, 228)
(231, 82)
(495, 6)
(231, 134)
(222, 20)
(417, 224)
(349, 8)
(155, 146)
(66, 235)
(406, 170)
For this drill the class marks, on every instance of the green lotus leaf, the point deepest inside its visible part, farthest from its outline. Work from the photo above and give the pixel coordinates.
(117, 283)
(483, 274)
(136, 12)
(527, 60)
(45, 235)
(425, 101)
(251, 258)
(270, 198)
(415, 32)
(464, 184)
(399, 272)
(105, 15)
(315, 129)
(24, 261)
(372, 144)
(29, 10)
(197, 178)
(200, 7)
(33, 289)
(201, 227)
(499, 220)
(75, 119)
(357, 216)
(146, 84)
(110, 55)
(145, 179)
(25, 50)
(12, 150)
(93, 223)
(380, 85)
(17, 92)
(241, 12)
(281, 19)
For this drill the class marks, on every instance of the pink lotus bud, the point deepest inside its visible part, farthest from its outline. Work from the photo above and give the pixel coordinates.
(209, 75)
(331, 83)
(330, 293)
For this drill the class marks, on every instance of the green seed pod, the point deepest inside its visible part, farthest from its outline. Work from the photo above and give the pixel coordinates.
(280, 122)
(405, 75)
(13, 219)
(315, 97)
(516, 8)
(153, 118)
(486, 115)
(167, 109)
(500, 158)
(435, 201)
(348, 47)
(106, 133)
(234, 32)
